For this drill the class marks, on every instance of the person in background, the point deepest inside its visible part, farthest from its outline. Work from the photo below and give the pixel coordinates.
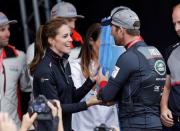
(170, 102)
(81, 69)
(138, 77)
(52, 74)
(12, 72)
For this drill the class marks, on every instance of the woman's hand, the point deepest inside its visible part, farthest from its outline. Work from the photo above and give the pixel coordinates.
(94, 69)
(101, 77)
(27, 121)
(93, 101)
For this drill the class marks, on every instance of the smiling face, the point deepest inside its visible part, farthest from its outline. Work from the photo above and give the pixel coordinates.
(60, 44)
(4, 35)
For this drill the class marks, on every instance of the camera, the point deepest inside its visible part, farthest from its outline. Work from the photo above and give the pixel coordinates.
(39, 105)
(103, 127)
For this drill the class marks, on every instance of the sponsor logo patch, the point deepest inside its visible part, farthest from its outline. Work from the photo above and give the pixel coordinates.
(160, 67)
(154, 52)
(44, 79)
(156, 88)
(115, 71)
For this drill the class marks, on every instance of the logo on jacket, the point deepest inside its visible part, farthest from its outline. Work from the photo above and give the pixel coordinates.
(13, 68)
(115, 71)
(44, 79)
(156, 88)
(160, 67)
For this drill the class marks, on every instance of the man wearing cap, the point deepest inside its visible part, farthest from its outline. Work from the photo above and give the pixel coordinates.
(12, 63)
(137, 78)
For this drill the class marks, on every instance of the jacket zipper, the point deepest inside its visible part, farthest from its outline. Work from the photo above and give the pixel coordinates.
(63, 69)
(4, 72)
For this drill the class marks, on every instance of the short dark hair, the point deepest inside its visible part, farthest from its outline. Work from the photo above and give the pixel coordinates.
(133, 31)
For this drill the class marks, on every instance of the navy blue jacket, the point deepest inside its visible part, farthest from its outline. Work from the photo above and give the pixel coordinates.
(52, 78)
(136, 83)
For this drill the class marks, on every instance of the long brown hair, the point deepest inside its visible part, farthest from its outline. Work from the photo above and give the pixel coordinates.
(41, 43)
(87, 52)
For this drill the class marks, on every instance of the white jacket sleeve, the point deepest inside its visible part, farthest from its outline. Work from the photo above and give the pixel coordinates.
(76, 73)
(25, 84)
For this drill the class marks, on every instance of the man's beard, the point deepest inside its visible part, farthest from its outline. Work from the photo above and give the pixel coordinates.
(118, 43)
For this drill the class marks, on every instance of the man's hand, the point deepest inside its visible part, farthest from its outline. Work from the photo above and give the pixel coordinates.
(93, 101)
(110, 103)
(166, 117)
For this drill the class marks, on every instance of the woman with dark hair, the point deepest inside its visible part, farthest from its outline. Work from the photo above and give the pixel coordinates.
(82, 68)
(52, 74)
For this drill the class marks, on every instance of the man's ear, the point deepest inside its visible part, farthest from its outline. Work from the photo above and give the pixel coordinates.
(122, 30)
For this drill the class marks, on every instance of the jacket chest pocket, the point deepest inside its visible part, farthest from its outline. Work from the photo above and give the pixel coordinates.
(12, 73)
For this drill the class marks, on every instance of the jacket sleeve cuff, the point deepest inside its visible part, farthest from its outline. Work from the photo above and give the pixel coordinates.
(84, 105)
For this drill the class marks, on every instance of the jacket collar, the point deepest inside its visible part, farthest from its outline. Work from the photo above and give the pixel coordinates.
(10, 51)
(56, 58)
